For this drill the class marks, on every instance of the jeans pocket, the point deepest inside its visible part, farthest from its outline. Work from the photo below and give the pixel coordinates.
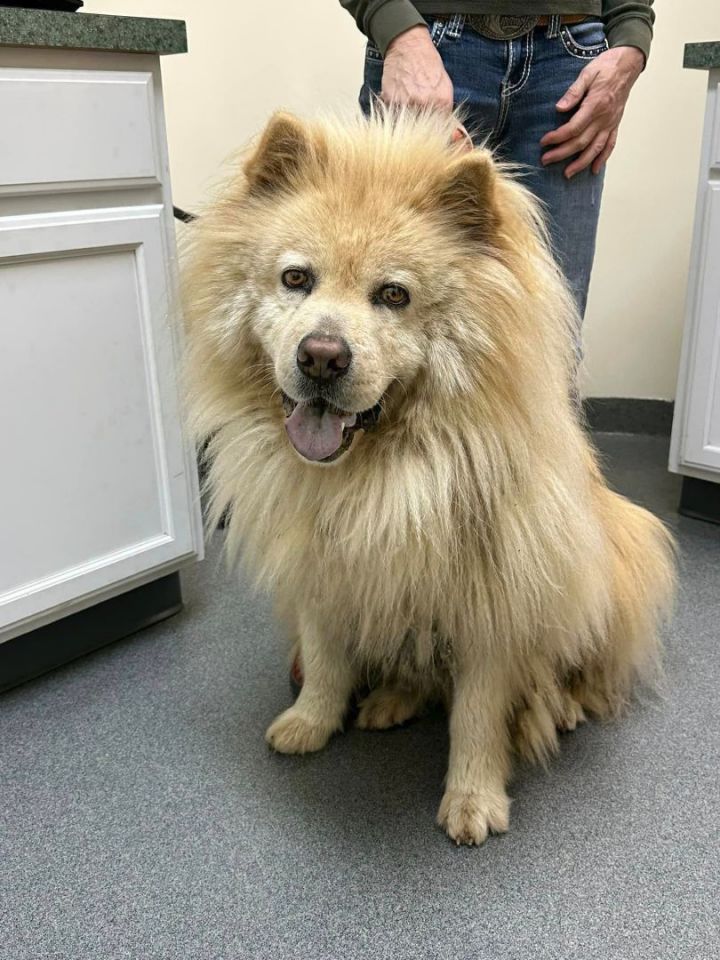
(584, 40)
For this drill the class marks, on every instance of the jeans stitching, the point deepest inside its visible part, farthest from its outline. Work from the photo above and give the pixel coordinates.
(582, 46)
(553, 29)
(580, 52)
(529, 53)
(502, 115)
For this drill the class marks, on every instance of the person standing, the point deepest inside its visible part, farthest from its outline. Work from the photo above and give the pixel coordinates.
(544, 84)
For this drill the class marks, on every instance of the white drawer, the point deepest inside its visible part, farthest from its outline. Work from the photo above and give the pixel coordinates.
(76, 129)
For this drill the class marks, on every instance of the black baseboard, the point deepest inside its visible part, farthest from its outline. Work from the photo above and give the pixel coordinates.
(629, 415)
(700, 499)
(45, 648)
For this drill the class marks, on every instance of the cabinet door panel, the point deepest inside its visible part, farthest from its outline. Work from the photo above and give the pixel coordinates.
(80, 128)
(97, 487)
(702, 420)
(714, 95)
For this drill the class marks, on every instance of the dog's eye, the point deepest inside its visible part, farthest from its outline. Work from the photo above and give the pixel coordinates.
(295, 279)
(393, 295)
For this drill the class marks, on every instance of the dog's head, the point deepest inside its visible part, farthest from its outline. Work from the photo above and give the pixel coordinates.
(359, 260)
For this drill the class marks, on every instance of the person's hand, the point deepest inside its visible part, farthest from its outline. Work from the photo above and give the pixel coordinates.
(461, 136)
(414, 73)
(600, 93)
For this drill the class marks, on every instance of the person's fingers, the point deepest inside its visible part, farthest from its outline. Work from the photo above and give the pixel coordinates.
(571, 147)
(603, 158)
(404, 98)
(417, 98)
(588, 155)
(576, 91)
(573, 128)
(460, 135)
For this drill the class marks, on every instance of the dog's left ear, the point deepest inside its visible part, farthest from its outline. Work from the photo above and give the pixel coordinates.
(468, 195)
(285, 149)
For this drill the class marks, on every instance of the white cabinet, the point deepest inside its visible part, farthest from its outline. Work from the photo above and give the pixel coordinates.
(99, 487)
(695, 448)
(79, 127)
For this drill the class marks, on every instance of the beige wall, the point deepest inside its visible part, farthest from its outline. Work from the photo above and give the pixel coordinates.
(307, 54)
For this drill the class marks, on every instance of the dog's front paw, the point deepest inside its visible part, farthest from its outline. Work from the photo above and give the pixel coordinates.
(469, 817)
(295, 732)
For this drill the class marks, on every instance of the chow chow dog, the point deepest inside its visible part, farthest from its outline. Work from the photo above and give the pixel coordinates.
(380, 368)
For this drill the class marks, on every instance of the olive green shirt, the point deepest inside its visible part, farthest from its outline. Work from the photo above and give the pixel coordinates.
(628, 23)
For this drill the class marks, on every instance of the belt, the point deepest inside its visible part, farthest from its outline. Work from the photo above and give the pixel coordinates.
(502, 27)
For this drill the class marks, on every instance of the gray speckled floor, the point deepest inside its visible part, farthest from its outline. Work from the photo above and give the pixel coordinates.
(141, 815)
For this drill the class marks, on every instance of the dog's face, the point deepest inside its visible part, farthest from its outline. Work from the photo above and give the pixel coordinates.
(352, 282)
(341, 313)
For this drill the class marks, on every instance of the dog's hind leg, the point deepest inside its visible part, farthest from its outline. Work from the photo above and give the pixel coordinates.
(537, 722)
(642, 589)
(388, 707)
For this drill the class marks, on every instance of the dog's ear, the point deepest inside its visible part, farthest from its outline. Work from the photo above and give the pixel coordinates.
(285, 147)
(467, 195)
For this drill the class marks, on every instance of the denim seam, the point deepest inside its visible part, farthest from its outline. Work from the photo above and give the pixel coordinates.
(581, 46)
(502, 115)
(553, 29)
(529, 53)
(578, 51)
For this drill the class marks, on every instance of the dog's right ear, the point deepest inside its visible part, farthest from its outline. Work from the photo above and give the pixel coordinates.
(467, 195)
(285, 148)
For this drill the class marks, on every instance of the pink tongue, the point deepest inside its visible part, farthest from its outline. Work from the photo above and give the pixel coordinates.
(314, 431)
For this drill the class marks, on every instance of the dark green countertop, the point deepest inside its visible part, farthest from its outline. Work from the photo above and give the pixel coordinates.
(90, 31)
(702, 56)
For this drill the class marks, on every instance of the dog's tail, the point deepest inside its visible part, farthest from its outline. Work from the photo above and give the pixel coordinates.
(642, 592)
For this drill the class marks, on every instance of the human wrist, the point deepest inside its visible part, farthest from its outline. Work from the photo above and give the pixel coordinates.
(416, 37)
(632, 57)
(390, 20)
(632, 32)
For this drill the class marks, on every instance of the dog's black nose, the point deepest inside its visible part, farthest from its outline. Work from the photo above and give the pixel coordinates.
(323, 358)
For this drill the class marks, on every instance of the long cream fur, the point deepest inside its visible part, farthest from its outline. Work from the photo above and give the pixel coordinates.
(468, 547)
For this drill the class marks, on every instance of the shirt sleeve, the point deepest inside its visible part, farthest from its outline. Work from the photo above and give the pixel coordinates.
(629, 23)
(382, 20)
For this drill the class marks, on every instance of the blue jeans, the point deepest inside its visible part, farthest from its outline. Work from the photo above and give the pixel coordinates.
(508, 89)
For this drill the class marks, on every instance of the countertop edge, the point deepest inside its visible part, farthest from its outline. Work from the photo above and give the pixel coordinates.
(54, 29)
(702, 56)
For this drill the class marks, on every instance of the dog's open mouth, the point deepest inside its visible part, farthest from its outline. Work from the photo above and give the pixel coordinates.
(322, 432)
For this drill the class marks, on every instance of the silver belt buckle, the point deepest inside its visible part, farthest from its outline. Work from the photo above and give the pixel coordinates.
(501, 26)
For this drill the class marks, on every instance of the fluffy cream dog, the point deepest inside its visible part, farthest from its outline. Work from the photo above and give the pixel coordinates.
(380, 356)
